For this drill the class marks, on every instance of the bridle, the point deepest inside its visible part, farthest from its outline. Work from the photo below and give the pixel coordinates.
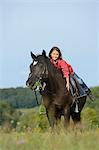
(43, 77)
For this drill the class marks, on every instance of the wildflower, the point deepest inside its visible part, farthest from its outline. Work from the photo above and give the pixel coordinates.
(12, 121)
(18, 123)
(21, 141)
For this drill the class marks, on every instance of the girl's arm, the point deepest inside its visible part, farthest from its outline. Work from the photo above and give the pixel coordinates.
(65, 71)
(67, 83)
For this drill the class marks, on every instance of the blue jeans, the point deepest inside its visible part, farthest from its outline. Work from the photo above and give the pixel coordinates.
(81, 82)
(83, 89)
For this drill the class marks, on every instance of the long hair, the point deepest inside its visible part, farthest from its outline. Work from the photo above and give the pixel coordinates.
(57, 49)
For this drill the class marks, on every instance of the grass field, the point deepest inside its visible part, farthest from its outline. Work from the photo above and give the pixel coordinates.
(36, 139)
(71, 140)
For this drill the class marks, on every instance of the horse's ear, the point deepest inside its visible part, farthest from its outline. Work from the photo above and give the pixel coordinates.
(33, 56)
(44, 53)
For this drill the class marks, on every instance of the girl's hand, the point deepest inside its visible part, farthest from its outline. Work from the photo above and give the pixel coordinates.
(67, 83)
(67, 86)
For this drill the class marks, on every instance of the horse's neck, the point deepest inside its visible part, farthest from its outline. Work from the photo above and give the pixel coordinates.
(52, 69)
(55, 79)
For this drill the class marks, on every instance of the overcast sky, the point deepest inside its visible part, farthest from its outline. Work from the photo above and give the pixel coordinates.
(34, 25)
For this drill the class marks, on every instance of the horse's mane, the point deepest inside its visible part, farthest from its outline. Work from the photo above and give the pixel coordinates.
(56, 73)
(51, 68)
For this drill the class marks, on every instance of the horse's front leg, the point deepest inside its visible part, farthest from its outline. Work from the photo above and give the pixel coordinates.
(66, 117)
(51, 115)
(50, 110)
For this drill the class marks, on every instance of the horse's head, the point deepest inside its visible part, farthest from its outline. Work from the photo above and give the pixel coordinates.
(38, 69)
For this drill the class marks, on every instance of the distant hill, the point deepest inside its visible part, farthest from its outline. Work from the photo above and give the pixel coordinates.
(19, 97)
(24, 97)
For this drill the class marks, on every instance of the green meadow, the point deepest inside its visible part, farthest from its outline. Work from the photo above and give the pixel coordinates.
(28, 129)
(37, 135)
(70, 140)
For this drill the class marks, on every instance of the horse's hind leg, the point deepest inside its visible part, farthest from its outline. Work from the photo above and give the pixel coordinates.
(76, 119)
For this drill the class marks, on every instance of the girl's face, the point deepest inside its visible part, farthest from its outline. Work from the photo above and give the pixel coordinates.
(55, 55)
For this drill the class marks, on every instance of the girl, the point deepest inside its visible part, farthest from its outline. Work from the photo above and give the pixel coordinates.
(68, 73)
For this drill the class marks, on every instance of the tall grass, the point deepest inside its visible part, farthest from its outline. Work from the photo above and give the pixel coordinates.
(36, 140)
(34, 137)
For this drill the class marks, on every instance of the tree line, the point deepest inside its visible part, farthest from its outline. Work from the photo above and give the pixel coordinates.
(25, 98)
(19, 97)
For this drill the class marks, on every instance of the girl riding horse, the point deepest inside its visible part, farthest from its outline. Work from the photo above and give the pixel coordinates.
(68, 73)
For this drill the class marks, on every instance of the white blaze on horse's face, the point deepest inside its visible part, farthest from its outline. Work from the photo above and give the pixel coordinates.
(35, 62)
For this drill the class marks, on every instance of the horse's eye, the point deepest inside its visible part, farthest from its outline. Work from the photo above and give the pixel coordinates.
(35, 62)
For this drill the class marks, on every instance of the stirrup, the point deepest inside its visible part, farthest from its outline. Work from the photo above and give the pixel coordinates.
(81, 96)
(75, 95)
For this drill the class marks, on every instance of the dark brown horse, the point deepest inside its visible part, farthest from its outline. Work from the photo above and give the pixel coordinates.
(57, 100)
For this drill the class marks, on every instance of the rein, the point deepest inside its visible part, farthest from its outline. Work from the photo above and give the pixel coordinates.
(36, 97)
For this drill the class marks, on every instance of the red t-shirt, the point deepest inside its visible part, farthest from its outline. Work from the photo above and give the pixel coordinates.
(63, 66)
